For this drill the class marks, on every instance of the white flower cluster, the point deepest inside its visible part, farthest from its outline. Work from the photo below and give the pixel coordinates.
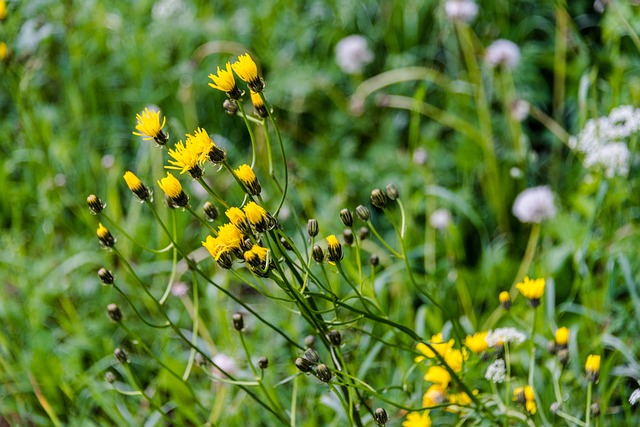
(601, 141)
(353, 53)
(504, 335)
(496, 372)
(534, 205)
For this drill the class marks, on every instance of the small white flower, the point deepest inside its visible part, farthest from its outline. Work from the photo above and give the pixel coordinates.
(504, 335)
(496, 372)
(534, 205)
(225, 363)
(420, 156)
(440, 219)
(179, 289)
(503, 53)
(635, 396)
(519, 109)
(352, 54)
(461, 10)
(613, 158)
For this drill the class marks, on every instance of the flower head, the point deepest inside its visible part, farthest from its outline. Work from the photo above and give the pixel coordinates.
(136, 186)
(247, 70)
(149, 126)
(173, 189)
(505, 300)
(504, 53)
(104, 235)
(477, 342)
(225, 246)
(504, 335)
(248, 178)
(437, 344)
(239, 219)
(353, 53)
(258, 104)
(4, 51)
(526, 396)
(461, 10)
(562, 336)
(186, 158)
(3, 9)
(592, 367)
(440, 219)
(334, 249)
(533, 289)
(257, 216)
(435, 395)
(438, 375)
(256, 258)
(416, 419)
(534, 205)
(496, 372)
(225, 82)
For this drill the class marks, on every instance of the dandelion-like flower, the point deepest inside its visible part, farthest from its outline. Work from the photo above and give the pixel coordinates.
(257, 216)
(239, 219)
(438, 345)
(256, 258)
(476, 342)
(534, 205)
(334, 250)
(247, 70)
(173, 189)
(186, 158)
(4, 51)
(440, 219)
(438, 375)
(248, 178)
(225, 246)
(258, 104)
(105, 237)
(461, 10)
(502, 53)
(496, 372)
(505, 300)
(592, 367)
(435, 395)
(526, 396)
(503, 336)
(136, 186)
(417, 419)
(3, 9)
(225, 82)
(455, 358)
(149, 126)
(353, 54)
(635, 396)
(562, 337)
(532, 289)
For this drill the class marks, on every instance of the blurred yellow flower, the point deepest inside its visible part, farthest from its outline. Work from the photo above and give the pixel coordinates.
(3, 9)
(257, 216)
(434, 396)
(532, 289)
(562, 336)
(4, 51)
(438, 345)
(505, 300)
(476, 342)
(592, 367)
(239, 219)
(438, 375)
(415, 419)
(149, 126)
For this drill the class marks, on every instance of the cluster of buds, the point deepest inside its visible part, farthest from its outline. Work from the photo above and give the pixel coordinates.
(310, 362)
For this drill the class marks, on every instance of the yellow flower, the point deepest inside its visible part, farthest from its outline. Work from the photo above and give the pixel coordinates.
(436, 342)
(415, 419)
(4, 51)
(334, 250)
(248, 178)
(505, 300)
(3, 9)
(525, 395)
(202, 144)
(460, 399)
(225, 82)
(455, 358)
(438, 375)
(239, 219)
(105, 236)
(256, 258)
(258, 104)
(186, 159)
(173, 189)
(257, 216)
(476, 342)
(434, 396)
(136, 186)
(562, 336)
(225, 246)
(149, 126)
(592, 367)
(533, 289)
(247, 70)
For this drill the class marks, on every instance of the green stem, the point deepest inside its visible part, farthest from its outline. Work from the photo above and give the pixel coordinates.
(211, 192)
(174, 262)
(251, 135)
(587, 410)
(282, 151)
(532, 348)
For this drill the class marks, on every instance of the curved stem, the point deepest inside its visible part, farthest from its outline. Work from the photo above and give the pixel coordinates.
(251, 135)
(282, 151)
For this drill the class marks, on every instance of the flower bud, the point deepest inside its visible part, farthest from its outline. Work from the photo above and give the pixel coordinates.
(592, 367)
(381, 417)
(105, 237)
(109, 377)
(347, 236)
(563, 356)
(285, 244)
(363, 233)
(335, 337)
(334, 250)
(238, 321)
(303, 364)
(95, 205)
(114, 312)
(374, 260)
(263, 363)
(210, 211)
(323, 373)
(318, 254)
(312, 228)
(392, 192)
(378, 198)
(346, 217)
(312, 356)
(230, 107)
(505, 300)
(309, 340)
(121, 355)
(363, 213)
(199, 360)
(106, 277)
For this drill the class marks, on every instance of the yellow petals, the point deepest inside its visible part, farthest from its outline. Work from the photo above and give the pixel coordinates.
(562, 336)
(532, 289)
(225, 82)
(476, 342)
(592, 367)
(438, 375)
(247, 70)
(248, 178)
(149, 126)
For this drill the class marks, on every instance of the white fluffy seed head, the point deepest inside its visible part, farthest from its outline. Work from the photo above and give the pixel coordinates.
(534, 205)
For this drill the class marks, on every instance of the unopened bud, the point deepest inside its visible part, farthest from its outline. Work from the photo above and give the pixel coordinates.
(309, 340)
(114, 313)
(285, 244)
(381, 416)
(378, 198)
(121, 355)
(109, 377)
(563, 356)
(347, 236)
(335, 337)
(323, 373)
(374, 260)
(392, 191)
(312, 356)
(363, 233)
(595, 409)
(230, 107)
(346, 217)
(318, 254)
(210, 211)
(106, 277)
(363, 213)
(505, 300)
(263, 363)
(238, 321)
(551, 347)
(95, 205)
(312, 227)
(303, 364)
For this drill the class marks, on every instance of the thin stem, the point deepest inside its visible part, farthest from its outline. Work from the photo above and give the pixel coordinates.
(384, 243)
(587, 410)
(131, 239)
(174, 262)
(532, 348)
(145, 395)
(211, 192)
(251, 135)
(194, 330)
(282, 151)
(136, 310)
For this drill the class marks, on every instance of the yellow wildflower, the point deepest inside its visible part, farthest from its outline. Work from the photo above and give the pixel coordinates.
(532, 289)
(248, 178)
(205, 147)
(257, 216)
(434, 396)
(149, 126)
(334, 250)
(436, 342)
(438, 375)
(258, 104)
(247, 70)
(239, 219)
(256, 258)
(416, 419)
(186, 158)
(562, 336)
(173, 189)
(4, 51)
(136, 186)
(592, 367)
(505, 300)
(476, 342)
(225, 82)
(3, 9)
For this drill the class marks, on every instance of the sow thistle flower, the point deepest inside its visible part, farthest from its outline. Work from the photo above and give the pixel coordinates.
(256, 258)
(104, 235)
(416, 419)
(173, 189)
(149, 127)
(438, 375)
(592, 367)
(247, 70)
(532, 289)
(238, 219)
(248, 178)
(477, 342)
(225, 82)
(136, 186)
(207, 149)
(225, 246)
(186, 159)
(257, 216)
(524, 395)
(438, 345)
(562, 337)
(505, 300)
(334, 251)
(258, 104)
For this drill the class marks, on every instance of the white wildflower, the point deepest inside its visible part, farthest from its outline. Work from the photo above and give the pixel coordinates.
(440, 219)
(503, 53)
(534, 205)
(519, 109)
(612, 158)
(504, 335)
(635, 396)
(496, 372)
(224, 363)
(353, 53)
(461, 10)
